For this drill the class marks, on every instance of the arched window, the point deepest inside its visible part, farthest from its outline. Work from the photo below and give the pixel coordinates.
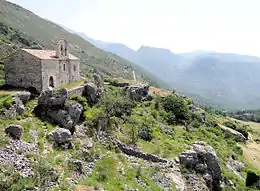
(51, 82)
(61, 50)
(64, 67)
(74, 68)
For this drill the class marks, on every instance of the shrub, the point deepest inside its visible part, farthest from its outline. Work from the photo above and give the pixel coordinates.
(81, 100)
(145, 132)
(252, 179)
(116, 104)
(177, 109)
(6, 101)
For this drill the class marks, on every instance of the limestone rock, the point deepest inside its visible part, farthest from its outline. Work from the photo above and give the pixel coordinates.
(61, 117)
(15, 131)
(93, 93)
(204, 160)
(137, 92)
(19, 106)
(235, 166)
(53, 97)
(139, 154)
(24, 96)
(74, 110)
(67, 118)
(61, 135)
(238, 136)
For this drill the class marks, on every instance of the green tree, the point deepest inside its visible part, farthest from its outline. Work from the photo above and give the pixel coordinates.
(176, 108)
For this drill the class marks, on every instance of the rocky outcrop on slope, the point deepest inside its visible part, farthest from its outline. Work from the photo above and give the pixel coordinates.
(55, 105)
(93, 93)
(139, 154)
(138, 92)
(203, 160)
(67, 117)
(239, 137)
(19, 99)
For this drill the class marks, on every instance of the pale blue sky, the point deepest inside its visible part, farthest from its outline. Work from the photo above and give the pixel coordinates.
(180, 25)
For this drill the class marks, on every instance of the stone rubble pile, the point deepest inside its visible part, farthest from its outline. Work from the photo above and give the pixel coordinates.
(14, 155)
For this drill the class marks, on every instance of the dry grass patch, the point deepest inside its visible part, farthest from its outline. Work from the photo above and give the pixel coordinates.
(251, 152)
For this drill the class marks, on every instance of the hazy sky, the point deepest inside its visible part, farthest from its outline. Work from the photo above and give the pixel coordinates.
(180, 25)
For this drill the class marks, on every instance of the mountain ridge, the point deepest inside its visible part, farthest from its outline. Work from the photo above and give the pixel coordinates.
(229, 79)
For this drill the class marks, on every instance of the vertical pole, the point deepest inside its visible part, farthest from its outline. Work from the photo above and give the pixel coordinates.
(134, 75)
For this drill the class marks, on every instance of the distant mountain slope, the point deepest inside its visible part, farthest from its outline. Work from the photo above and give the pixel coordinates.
(220, 79)
(231, 80)
(47, 33)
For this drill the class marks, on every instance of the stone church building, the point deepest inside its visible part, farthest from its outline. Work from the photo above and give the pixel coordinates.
(42, 69)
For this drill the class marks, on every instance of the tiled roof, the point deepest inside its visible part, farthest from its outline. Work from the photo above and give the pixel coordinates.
(46, 54)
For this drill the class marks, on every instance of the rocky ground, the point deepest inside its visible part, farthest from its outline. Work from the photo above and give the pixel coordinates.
(83, 143)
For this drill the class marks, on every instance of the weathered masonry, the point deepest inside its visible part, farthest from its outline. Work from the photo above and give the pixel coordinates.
(42, 69)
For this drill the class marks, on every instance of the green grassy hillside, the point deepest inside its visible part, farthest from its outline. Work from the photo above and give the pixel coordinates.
(47, 32)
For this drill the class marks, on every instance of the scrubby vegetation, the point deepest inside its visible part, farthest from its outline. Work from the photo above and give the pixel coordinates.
(163, 126)
(148, 125)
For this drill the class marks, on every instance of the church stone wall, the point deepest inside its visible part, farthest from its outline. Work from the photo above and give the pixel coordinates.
(62, 72)
(23, 70)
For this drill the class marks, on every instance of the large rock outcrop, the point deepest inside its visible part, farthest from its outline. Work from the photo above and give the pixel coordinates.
(138, 92)
(55, 105)
(93, 93)
(203, 160)
(52, 98)
(67, 117)
(239, 137)
(74, 110)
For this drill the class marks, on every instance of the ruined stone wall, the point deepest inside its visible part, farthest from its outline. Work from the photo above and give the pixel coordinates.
(76, 91)
(23, 70)
(62, 71)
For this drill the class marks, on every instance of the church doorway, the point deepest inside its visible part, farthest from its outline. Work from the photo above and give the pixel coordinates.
(51, 82)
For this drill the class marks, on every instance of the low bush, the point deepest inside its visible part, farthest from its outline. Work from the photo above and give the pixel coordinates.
(6, 101)
(253, 179)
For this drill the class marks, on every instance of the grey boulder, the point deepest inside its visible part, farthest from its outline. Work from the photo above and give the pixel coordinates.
(61, 135)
